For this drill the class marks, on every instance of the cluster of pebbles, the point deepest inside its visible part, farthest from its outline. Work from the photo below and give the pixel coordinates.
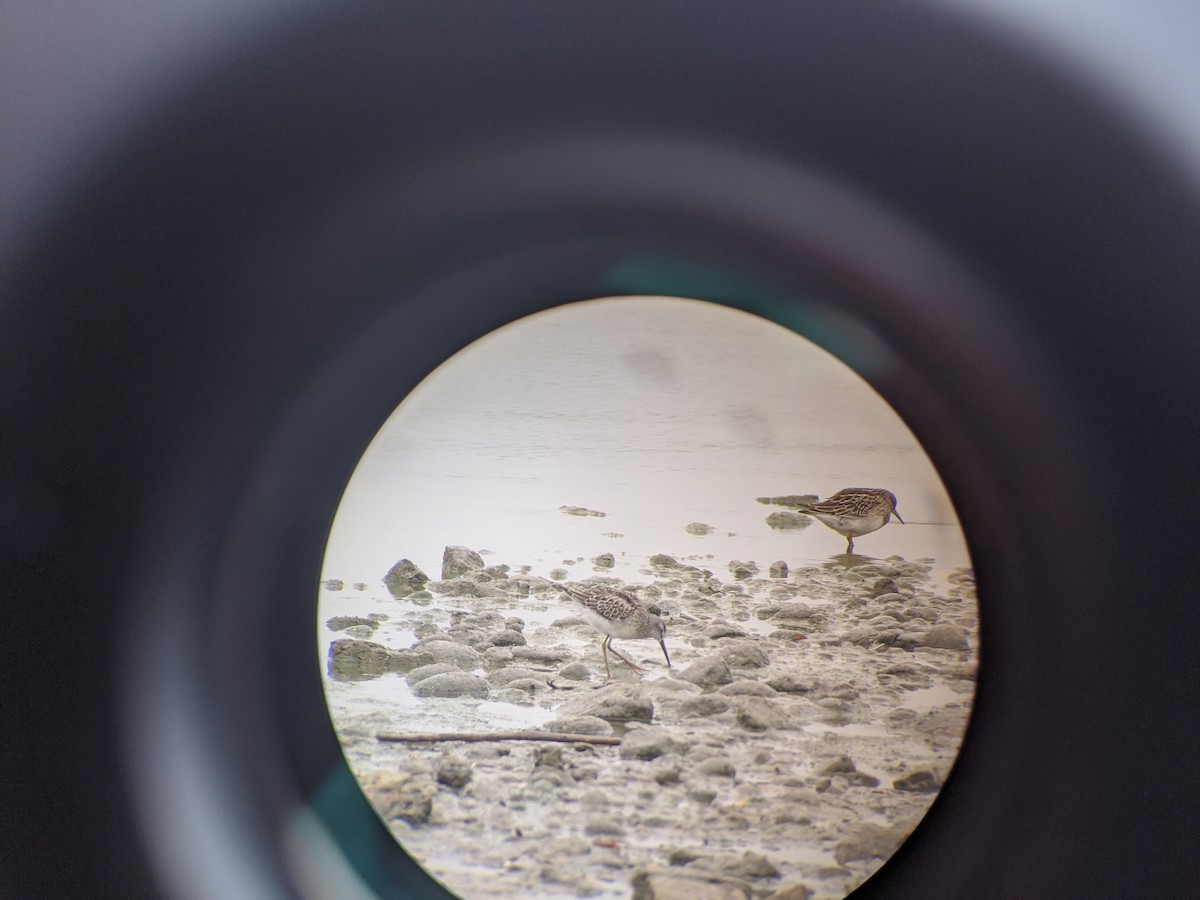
(809, 720)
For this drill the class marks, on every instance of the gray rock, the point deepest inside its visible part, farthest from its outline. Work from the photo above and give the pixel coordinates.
(359, 585)
(613, 703)
(839, 766)
(790, 683)
(454, 772)
(452, 684)
(360, 631)
(435, 650)
(649, 743)
(592, 725)
(794, 891)
(748, 865)
(604, 561)
(945, 637)
(575, 671)
(602, 825)
(722, 629)
(503, 677)
(404, 579)
(400, 795)
(920, 782)
(868, 840)
(704, 706)
(717, 765)
(795, 612)
(655, 883)
(698, 528)
(353, 659)
(708, 672)
(546, 656)
(581, 511)
(422, 672)
(742, 570)
(744, 687)
(457, 587)
(506, 638)
(778, 569)
(759, 714)
(459, 561)
(333, 584)
(788, 521)
(668, 776)
(744, 655)
(558, 574)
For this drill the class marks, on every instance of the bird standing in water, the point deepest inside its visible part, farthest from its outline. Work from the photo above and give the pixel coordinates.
(617, 614)
(853, 512)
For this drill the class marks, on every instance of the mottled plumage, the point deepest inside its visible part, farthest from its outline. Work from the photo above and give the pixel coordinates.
(617, 614)
(853, 512)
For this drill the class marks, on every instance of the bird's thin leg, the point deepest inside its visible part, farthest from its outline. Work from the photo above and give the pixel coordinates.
(625, 659)
(849, 545)
(604, 650)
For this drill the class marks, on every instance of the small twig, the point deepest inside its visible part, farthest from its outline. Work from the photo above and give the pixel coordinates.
(501, 736)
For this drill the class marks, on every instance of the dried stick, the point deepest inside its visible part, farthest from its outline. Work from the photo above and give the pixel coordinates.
(501, 736)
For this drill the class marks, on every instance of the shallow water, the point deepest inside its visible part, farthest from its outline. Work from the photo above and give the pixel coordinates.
(658, 413)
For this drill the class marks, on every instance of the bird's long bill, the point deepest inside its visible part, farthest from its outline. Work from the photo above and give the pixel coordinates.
(662, 643)
(897, 515)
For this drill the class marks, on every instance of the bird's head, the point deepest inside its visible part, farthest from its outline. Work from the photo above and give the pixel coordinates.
(892, 497)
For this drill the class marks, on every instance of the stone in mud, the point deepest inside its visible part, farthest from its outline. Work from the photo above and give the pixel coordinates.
(920, 782)
(333, 584)
(575, 671)
(759, 714)
(698, 528)
(744, 655)
(590, 725)
(742, 570)
(422, 672)
(717, 765)
(790, 683)
(558, 574)
(600, 826)
(656, 883)
(401, 795)
(788, 521)
(748, 865)
(454, 772)
(505, 638)
(884, 586)
(458, 561)
(581, 511)
(867, 841)
(792, 501)
(795, 612)
(649, 743)
(778, 569)
(662, 561)
(604, 561)
(704, 706)
(796, 891)
(722, 629)
(353, 658)
(404, 579)
(613, 703)
(359, 585)
(452, 684)
(505, 676)
(711, 671)
(839, 766)
(545, 656)
(945, 637)
(744, 687)
(436, 650)
(667, 776)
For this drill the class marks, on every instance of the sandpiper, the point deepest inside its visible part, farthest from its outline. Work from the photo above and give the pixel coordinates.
(853, 512)
(617, 614)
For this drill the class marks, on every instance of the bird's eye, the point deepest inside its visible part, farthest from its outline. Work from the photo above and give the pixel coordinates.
(675, 450)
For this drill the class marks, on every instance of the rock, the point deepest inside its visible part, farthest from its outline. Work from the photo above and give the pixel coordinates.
(717, 765)
(655, 883)
(795, 612)
(506, 638)
(839, 766)
(435, 649)
(748, 865)
(945, 637)
(581, 511)
(649, 743)
(667, 776)
(400, 795)
(423, 672)
(884, 586)
(791, 501)
(602, 825)
(744, 655)
(575, 671)
(359, 585)
(744, 687)
(591, 725)
(868, 840)
(333, 584)
(919, 782)
(758, 714)
(721, 629)
(546, 656)
(703, 707)
(452, 684)
(458, 561)
(404, 578)
(352, 659)
(558, 574)
(790, 683)
(503, 677)
(708, 672)
(604, 561)
(548, 756)
(742, 570)
(796, 891)
(698, 528)
(454, 772)
(788, 521)
(613, 703)
(778, 569)
(662, 561)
